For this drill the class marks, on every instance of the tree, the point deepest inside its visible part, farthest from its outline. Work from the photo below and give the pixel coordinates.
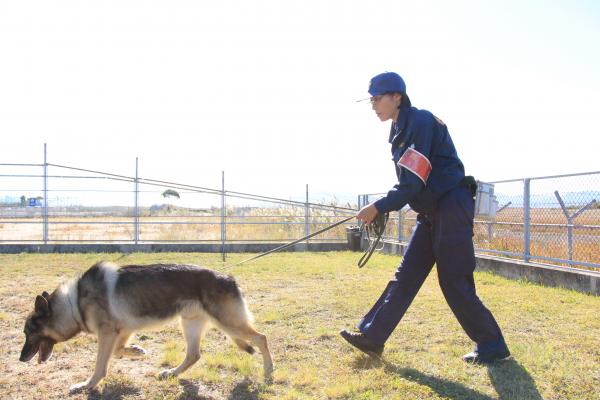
(23, 201)
(170, 193)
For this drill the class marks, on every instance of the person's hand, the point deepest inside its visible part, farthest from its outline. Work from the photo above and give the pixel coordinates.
(367, 214)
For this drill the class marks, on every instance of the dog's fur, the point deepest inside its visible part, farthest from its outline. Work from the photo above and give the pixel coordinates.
(113, 302)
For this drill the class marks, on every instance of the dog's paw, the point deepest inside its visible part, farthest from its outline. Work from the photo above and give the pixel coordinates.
(268, 374)
(79, 387)
(167, 373)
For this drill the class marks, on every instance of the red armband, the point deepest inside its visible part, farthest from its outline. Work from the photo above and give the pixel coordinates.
(416, 163)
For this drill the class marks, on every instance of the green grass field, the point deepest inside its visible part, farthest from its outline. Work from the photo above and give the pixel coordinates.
(301, 301)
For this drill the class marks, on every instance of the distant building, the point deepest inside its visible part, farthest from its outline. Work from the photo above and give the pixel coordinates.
(35, 202)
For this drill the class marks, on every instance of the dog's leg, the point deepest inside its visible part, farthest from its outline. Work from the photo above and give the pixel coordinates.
(106, 346)
(249, 334)
(260, 341)
(131, 351)
(121, 344)
(193, 330)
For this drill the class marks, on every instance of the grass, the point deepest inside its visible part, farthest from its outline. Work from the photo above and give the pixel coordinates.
(301, 301)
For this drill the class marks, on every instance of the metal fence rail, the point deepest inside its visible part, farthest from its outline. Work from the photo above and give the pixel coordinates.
(53, 203)
(549, 219)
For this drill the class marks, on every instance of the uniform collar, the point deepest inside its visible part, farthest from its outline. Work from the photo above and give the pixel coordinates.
(398, 126)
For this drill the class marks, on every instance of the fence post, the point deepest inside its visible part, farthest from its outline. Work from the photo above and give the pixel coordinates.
(223, 227)
(526, 220)
(306, 217)
(570, 239)
(365, 201)
(136, 206)
(569, 226)
(570, 222)
(45, 209)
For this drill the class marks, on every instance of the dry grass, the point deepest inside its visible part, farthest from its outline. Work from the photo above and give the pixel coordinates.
(274, 224)
(301, 300)
(546, 241)
(287, 223)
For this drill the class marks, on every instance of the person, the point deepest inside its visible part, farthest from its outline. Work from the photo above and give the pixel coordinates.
(432, 181)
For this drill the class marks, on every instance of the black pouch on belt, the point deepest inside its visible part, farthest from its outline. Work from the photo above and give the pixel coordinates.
(470, 183)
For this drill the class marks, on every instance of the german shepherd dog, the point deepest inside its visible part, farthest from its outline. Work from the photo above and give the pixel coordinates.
(113, 303)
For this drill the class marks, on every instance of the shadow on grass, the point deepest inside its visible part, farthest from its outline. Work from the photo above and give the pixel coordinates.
(510, 380)
(243, 391)
(193, 391)
(114, 391)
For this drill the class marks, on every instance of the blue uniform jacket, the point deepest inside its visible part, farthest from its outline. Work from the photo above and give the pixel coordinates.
(429, 136)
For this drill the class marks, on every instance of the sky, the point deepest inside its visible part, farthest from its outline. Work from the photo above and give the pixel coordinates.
(266, 90)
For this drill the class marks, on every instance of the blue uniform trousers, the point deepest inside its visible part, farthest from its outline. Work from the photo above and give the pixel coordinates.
(443, 238)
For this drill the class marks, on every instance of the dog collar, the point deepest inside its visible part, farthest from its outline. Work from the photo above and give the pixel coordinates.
(77, 312)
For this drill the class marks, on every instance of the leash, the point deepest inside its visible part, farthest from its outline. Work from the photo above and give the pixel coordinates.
(376, 228)
(296, 241)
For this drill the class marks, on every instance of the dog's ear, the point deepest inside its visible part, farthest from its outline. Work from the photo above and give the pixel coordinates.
(41, 305)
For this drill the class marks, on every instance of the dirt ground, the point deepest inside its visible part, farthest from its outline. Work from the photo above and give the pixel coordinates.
(74, 360)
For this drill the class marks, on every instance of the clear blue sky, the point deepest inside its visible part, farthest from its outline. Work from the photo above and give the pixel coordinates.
(266, 90)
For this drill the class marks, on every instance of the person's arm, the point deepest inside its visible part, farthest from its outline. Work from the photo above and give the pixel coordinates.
(414, 164)
(399, 195)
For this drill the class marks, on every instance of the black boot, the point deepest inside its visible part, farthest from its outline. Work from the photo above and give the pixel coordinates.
(362, 343)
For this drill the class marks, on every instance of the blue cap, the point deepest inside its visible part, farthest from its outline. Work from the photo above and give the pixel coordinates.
(387, 82)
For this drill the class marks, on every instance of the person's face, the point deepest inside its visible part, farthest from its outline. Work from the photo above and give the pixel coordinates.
(386, 105)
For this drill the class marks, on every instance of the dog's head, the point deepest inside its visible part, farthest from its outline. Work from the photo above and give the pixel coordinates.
(37, 331)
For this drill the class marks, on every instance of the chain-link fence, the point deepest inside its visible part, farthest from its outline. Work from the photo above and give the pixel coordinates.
(49, 203)
(551, 219)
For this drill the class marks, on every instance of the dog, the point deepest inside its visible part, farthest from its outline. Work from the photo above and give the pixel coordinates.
(113, 303)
